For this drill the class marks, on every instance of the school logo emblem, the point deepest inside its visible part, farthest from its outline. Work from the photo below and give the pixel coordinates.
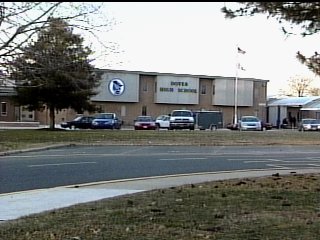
(116, 87)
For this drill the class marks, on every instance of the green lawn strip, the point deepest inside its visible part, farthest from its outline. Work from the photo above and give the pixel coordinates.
(275, 207)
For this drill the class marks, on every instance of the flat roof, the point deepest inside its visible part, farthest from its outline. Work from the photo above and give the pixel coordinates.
(313, 106)
(179, 74)
(293, 101)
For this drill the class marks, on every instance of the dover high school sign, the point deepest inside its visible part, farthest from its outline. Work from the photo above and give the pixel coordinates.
(177, 90)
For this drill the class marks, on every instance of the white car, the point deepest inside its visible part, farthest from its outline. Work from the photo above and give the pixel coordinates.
(163, 121)
(309, 124)
(250, 123)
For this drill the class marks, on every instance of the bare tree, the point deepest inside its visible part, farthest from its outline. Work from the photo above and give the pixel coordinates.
(21, 21)
(314, 91)
(299, 86)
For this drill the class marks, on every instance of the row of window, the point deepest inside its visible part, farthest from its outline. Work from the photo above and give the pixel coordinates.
(3, 109)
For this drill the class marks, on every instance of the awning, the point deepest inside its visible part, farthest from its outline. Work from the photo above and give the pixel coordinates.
(315, 106)
(293, 101)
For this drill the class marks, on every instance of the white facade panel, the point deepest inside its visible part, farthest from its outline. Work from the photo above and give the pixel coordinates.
(118, 87)
(177, 90)
(277, 113)
(225, 92)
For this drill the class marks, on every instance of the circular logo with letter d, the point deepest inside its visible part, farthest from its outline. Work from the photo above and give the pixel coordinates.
(116, 87)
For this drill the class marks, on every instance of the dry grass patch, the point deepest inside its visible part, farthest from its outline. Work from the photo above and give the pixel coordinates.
(16, 139)
(275, 207)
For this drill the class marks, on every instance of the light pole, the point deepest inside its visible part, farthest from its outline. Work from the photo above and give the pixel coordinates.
(236, 90)
(239, 51)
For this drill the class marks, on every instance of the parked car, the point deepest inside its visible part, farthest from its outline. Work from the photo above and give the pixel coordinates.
(82, 122)
(233, 126)
(309, 124)
(144, 123)
(266, 125)
(163, 121)
(250, 123)
(106, 121)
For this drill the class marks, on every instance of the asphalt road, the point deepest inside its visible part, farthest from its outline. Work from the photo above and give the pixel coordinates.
(81, 164)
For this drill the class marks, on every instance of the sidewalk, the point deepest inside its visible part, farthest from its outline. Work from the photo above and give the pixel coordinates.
(15, 205)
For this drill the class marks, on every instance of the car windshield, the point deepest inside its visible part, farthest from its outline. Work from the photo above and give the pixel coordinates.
(249, 119)
(181, 113)
(105, 115)
(144, 119)
(162, 117)
(77, 119)
(310, 121)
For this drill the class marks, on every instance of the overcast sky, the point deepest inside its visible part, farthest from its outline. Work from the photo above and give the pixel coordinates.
(195, 38)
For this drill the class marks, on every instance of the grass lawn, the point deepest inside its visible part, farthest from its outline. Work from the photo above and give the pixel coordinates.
(274, 207)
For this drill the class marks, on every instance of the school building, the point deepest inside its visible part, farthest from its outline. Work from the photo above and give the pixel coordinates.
(133, 93)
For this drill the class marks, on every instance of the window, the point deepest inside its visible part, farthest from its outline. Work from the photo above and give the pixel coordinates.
(144, 111)
(203, 89)
(213, 89)
(145, 86)
(4, 109)
(123, 111)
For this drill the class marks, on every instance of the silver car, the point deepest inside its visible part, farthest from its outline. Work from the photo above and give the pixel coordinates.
(250, 123)
(309, 124)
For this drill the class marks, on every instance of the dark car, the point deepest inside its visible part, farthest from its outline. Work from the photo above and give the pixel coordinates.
(233, 126)
(266, 125)
(106, 121)
(82, 122)
(144, 123)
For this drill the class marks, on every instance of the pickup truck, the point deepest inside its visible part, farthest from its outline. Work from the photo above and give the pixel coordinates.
(181, 119)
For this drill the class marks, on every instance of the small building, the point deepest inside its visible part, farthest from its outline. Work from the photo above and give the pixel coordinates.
(293, 109)
(8, 111)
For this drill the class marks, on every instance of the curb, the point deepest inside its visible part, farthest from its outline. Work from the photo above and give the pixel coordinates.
(6, 153)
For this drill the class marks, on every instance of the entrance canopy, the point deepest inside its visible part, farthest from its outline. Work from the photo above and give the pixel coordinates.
(294, 101)
(313, 106)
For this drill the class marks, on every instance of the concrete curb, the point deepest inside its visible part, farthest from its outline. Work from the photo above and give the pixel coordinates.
(19, 204)
(35, 149)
